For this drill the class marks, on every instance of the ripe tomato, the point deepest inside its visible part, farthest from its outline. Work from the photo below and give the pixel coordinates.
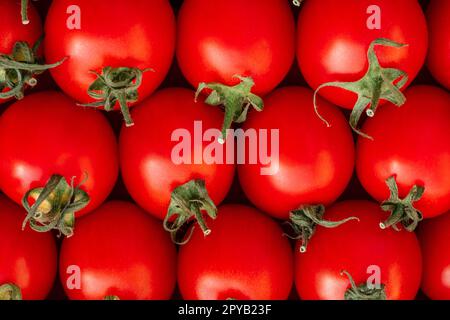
(16, 40)
(337, 51)
(45, 135)
(149, 167)
(315, 162)
(128, 37)
(218, 40)
(118, 251)
(438, 15)
(28, 260)
(411, 145)
(362, 250)
(245, 258)
(434, 237)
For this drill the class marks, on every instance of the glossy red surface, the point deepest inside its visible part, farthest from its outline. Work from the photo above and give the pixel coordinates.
(27, 259)
(336, 50)
(245, 257)
(46, 134)
(105, 39)
(354, 247)
(120, 251)
(315, 163)
(147, 165)
(218, 40)
(412, 144)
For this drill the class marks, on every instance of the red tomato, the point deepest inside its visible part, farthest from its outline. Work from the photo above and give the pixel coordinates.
(438, 62)
(333, 40)
(246, 257)
(148, 168)
(118, 251)
(12, 31)
(362, 249)
(47, 134)
(27, 259)
(315, 161)
(434, 236)
(218, 40)
(113, 34)
(411, 144)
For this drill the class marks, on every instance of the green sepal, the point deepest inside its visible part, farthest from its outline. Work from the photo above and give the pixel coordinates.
(378, 83)
(116, 85)
(235, 100)
(55, 206)
(189, 201)
(305, 220)
(362, 291)
(402, 210)
(18, 69)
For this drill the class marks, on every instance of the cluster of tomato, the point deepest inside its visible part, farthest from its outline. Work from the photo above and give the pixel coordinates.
(193, 223)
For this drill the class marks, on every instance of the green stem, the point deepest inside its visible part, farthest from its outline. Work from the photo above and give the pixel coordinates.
(24, 11)
(125, 110)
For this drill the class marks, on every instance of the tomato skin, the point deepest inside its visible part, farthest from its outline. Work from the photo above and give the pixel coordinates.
(354, 247)
(46, 134)
(316, 162)
(27, 259)
(410, 143)
(434, 237)
(337, 50)
(218, 40)
(146, 26)
(148, 171)
(255, 260)
(120, 251)
(12, 29)
(438, 15)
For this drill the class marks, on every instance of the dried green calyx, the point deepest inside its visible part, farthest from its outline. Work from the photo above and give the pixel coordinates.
(236, 101)
(10, 291)
(18, 70)
(402, 210)
(378, 83)
(363, 291)
(55, 206)
(189, 201)
(116, 85)
(305, 220)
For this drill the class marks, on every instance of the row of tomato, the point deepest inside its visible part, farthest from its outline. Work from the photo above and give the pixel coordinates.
(61, 161)
(119, 252)
(110, 243)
